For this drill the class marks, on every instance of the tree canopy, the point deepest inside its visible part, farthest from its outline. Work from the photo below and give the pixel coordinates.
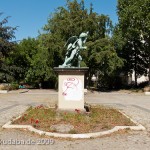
(133, 31)
(71, 21)
(110, 50)
(6, 48)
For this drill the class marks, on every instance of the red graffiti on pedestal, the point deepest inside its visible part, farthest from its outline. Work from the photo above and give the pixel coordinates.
(71, 83)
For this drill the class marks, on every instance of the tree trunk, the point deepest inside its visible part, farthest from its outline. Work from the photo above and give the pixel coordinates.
(135, 78)
(135, 69)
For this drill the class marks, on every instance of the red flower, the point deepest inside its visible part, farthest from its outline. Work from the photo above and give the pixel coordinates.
(36, 121)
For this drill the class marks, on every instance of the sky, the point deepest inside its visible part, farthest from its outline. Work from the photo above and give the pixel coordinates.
(31, 15)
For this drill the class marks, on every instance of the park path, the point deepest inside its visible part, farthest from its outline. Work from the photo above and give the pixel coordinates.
(16, 102)
(136, 106)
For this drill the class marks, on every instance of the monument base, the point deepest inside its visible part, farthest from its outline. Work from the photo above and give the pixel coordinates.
(71, 88)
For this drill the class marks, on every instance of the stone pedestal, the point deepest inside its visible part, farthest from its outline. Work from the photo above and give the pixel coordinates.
(71, 88)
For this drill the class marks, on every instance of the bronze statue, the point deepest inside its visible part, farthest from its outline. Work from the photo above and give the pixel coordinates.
(74, 45)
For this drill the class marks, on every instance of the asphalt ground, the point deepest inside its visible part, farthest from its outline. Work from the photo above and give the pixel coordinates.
(135, 105)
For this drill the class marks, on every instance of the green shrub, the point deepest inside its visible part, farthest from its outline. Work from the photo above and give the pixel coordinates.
(9, 87)
(14, 86)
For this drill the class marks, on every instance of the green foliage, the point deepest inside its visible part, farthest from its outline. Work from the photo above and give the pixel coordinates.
(134, 28)
(23, 56)
(6, 48)
(11, 86)
(74, 19)
(38, 57)
(35, 61)
(104, 61)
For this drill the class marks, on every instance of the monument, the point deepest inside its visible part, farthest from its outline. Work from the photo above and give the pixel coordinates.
(71, 75)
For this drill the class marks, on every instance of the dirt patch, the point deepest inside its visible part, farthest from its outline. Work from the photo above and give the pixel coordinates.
(98, 119)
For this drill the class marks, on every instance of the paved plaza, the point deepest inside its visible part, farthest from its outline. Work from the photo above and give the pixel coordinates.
(135, 105)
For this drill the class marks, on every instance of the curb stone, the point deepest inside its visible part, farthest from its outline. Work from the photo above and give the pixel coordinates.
(138, 127)
(3, 91)
(147, 93)
(24, 91)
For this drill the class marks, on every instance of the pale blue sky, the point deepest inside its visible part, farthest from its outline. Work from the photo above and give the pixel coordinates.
(32, 15)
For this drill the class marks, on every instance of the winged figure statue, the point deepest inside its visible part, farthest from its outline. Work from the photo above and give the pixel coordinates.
(74, 44)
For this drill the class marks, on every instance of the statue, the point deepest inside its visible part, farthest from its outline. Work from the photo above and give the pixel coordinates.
(74, 45)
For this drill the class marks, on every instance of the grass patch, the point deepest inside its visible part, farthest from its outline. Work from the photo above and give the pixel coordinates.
(99, 119)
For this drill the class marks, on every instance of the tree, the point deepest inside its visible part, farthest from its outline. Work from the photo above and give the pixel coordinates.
(23, 57)
(134, 27)
(72, 20)
(6, 48)
(35, 61)
(104, 62)
(38, 57)
(41, 66)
